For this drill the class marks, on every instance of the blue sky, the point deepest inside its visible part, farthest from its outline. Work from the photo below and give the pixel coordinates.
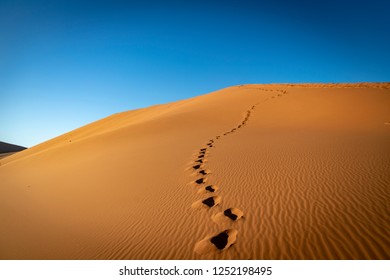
(64, 64)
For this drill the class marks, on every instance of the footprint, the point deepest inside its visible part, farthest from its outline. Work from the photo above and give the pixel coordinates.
(203, 172)
(208, 202)
(200, 181)
(232, 215)
(217, 243)
(200, 161)
(221, 240)
(201, 156)
(229, 215)
(196, 166)
(208, 189)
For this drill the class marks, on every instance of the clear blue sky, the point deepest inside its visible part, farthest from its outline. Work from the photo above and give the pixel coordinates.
(64, 64)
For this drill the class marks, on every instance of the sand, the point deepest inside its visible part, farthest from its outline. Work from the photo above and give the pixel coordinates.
(247, 172)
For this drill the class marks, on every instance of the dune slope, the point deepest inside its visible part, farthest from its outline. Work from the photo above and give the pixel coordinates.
(248, 172)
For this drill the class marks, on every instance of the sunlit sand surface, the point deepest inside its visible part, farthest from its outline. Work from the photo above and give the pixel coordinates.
(247, 172)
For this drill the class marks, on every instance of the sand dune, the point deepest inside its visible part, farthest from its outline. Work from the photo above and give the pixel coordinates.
(7, 149)
(248, 172)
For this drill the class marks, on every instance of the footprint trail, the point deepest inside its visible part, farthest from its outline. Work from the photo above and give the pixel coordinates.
(228, 236)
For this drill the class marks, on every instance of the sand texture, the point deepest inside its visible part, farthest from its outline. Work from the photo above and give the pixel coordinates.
(247, 172)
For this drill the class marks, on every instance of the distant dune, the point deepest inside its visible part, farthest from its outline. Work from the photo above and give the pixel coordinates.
(7, 149)
(10, 148)
(248, 172)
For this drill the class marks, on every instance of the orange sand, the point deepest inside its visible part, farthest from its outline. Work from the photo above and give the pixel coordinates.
(303, 171)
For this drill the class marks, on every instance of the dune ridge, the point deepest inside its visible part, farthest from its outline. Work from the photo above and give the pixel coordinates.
(282, 172)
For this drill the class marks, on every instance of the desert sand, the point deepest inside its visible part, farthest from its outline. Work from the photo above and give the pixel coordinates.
(248, 172)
